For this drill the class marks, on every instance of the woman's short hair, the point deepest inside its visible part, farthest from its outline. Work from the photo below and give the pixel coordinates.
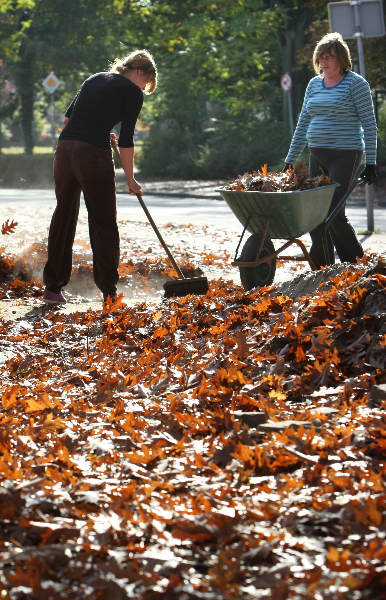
(334, 44)
(139, 59)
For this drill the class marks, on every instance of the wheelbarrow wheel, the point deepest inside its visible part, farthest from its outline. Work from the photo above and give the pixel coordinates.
(262, 274)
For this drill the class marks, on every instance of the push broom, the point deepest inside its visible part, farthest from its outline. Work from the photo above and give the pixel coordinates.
(173, 287)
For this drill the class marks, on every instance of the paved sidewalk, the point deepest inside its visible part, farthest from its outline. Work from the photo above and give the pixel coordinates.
(201, 220)
(374, 243)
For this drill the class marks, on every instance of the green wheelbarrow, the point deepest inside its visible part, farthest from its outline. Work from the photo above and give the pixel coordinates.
(276, 215)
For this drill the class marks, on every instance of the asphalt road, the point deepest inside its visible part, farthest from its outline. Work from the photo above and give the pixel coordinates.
(173, 208)
(212, 228)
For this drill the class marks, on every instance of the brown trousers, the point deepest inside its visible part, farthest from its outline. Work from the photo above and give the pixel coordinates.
(78, 167)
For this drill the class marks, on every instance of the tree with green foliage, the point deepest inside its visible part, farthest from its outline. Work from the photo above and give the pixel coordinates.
(70, 37)
(8, 105)
(235, 53)
(219, 107)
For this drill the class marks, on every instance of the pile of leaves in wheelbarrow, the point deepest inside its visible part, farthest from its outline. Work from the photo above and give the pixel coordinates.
(290, 180)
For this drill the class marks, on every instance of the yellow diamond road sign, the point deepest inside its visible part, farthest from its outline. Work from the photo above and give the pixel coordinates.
(51, 82)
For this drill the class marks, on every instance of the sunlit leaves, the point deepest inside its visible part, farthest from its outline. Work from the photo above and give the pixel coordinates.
(126, 458)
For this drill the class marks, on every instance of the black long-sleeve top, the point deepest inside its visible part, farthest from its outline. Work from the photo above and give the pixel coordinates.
(104, 100)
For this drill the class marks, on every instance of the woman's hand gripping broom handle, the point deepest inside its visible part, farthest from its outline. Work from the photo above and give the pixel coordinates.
(147, 213)
(126, 160)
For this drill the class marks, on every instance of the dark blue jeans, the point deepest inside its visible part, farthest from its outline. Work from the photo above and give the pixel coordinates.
(343, 167)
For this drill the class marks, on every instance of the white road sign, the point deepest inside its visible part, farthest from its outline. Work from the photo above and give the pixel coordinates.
(369, 14)
(51, 82)
(286, 82)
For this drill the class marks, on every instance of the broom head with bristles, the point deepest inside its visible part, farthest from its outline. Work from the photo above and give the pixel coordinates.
(183, 287)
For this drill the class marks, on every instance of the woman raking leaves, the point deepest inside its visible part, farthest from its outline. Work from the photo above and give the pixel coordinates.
(83, 163)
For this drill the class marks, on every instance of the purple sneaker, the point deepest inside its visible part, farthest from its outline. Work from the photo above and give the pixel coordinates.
(53, 297)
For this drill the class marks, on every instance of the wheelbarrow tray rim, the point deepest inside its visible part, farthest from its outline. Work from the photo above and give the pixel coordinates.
(289, 214)
(278, 192)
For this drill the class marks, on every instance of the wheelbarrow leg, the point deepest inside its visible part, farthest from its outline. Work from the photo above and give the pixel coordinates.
(261, 245)
(263, 239)
(306, 254)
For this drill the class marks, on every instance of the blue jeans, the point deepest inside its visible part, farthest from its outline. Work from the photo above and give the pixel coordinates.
(343, 168)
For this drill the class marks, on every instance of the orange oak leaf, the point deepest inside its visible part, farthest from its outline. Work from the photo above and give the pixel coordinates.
(8, 227)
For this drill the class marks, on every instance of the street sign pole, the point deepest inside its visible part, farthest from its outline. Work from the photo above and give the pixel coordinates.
(358, 19)
(369, 188)
(358, 35)
(286, 86)
(291, 117)
(51, 83)
(53, 134)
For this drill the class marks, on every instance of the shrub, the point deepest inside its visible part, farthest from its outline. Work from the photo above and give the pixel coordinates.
(24, 170)
(224, 151)
(235, 149)
(169, 152)
(382, 134)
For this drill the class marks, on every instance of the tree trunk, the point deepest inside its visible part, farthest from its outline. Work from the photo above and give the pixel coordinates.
(24, 77)
(27, 106)
(291, 40)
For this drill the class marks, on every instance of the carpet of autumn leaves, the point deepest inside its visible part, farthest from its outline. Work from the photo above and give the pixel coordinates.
(143, 264)
(130, 470)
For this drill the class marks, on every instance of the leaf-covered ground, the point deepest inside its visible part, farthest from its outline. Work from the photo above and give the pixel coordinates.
(143, 266)
(228, 446)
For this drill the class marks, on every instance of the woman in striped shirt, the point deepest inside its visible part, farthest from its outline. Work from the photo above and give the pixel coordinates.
(338, 124)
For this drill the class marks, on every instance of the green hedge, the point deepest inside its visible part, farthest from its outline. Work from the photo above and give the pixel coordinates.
(26, 171)
(227, 151)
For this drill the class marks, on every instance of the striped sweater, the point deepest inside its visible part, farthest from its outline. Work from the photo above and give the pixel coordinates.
(340, 117)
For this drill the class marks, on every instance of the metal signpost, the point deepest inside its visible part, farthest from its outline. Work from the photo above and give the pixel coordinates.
(286, 85)
(358, 19)
(51, 83)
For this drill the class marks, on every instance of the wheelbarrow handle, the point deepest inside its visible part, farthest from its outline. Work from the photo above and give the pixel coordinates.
(339, 206)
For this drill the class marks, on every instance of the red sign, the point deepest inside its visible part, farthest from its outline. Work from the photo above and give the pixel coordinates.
(286, 82)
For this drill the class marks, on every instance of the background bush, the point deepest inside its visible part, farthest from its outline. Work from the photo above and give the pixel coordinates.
(382, 133)
(223, 151)
(26, 170)
(233, 150)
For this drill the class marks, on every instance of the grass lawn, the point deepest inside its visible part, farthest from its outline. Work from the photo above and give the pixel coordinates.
(20, 150)
(48, 149)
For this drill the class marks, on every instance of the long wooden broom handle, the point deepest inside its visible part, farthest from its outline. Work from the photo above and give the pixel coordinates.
(158, 234)
(150, 218)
